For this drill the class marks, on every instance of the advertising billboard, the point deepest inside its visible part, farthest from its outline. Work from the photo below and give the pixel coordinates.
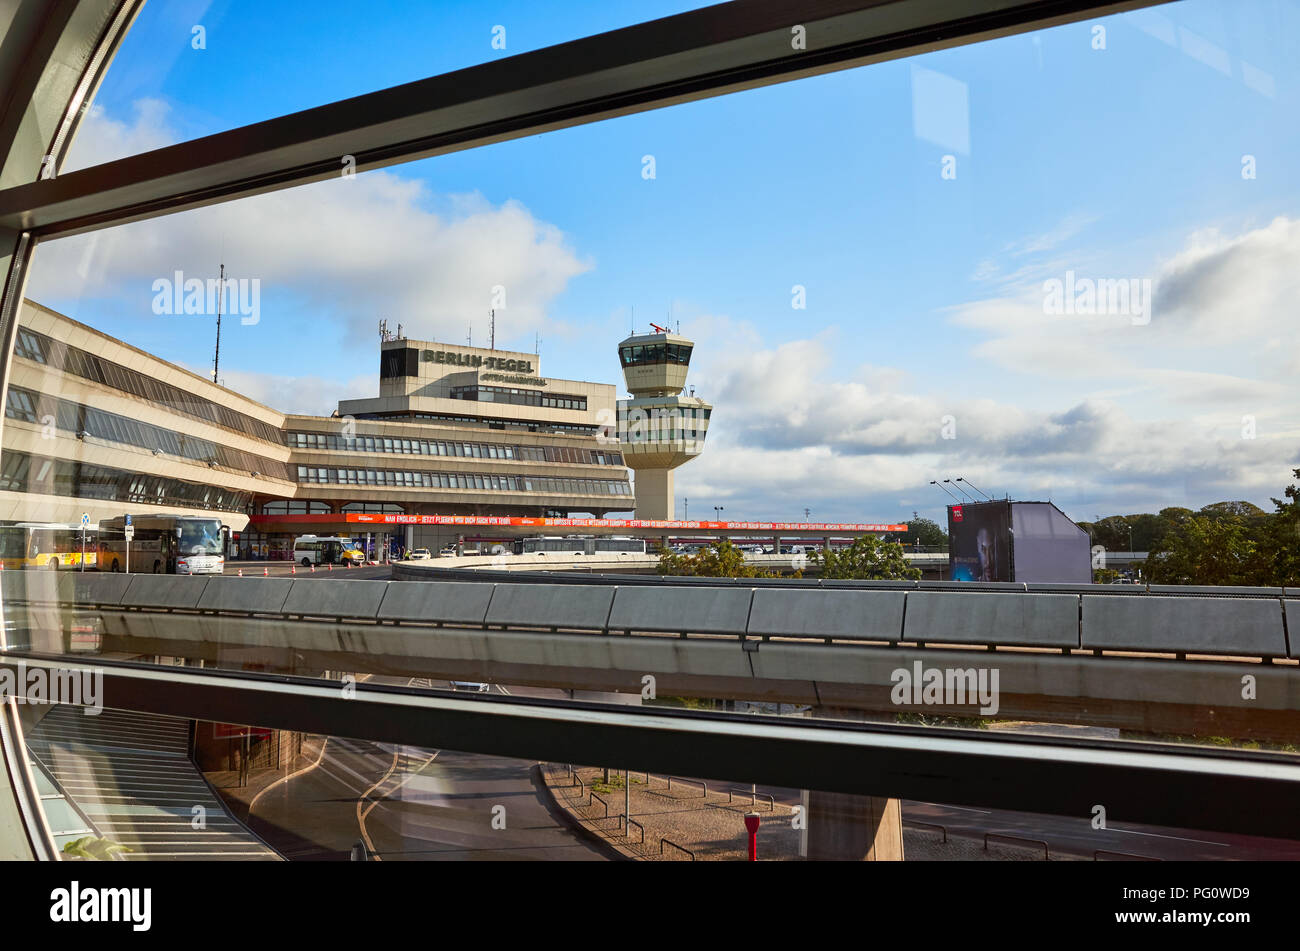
(979, 541)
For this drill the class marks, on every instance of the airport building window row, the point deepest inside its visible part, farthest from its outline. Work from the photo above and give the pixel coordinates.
(438, 447)
(657, 353)
(55, 353)
(295, 507)
(488, 422)
(73, 417)
(461, 480)
(506, 394)
(20, 472)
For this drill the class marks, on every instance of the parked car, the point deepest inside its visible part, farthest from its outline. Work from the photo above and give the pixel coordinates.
(419, 554)
(470, 686)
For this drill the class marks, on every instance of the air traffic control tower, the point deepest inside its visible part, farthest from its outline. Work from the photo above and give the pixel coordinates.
(658, 428)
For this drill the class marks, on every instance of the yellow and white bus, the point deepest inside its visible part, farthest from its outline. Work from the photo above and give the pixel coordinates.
(327, 550)
(46, 545)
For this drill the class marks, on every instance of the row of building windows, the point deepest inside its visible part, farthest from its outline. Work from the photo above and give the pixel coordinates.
(300, 507)
(461, 480)
(54, 353)
(20, 472)
(506, 394)
(73, 417)
(655, 353)
(438, 447)
(489, 422)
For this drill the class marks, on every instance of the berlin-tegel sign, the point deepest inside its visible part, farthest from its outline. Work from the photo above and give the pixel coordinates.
(480, 520)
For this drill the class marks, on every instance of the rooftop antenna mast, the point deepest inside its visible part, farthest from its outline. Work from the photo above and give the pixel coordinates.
(492, 329)
(221, 289)
(953, 497)
(537, 343)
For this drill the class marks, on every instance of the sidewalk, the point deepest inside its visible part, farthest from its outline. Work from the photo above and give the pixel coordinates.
(683, 822)
(674, 822)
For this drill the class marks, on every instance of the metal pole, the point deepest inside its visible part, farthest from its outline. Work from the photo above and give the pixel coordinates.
(83, 547)
(627, 803)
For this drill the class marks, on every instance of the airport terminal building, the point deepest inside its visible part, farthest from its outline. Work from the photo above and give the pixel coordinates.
(97, 426)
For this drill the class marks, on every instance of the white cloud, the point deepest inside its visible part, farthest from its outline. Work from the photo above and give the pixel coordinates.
(355, 249)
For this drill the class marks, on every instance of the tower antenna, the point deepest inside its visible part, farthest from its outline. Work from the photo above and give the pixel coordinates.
(492, 329)
(216, 354)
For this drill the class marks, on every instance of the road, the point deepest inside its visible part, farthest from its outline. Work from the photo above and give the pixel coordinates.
(410, 803)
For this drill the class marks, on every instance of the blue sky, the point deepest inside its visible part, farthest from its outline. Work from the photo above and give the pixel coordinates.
(924, 293)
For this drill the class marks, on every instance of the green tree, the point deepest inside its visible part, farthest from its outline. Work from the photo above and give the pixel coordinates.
(1198, 549)
(868, 558)
(720, 560)
(1277, 560)
(921, 531)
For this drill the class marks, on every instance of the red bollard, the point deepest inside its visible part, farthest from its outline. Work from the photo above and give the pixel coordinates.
(752, 819)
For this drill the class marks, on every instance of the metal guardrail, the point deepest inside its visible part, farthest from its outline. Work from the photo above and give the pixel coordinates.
(1012, 839)
(628, 822)
(679, 848)
(928, 825)
(753, 797)
(694, 782)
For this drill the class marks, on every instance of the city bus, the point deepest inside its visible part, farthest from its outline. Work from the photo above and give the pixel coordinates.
(579, 544)
(327, 550)
(164, 544)
(46, 545)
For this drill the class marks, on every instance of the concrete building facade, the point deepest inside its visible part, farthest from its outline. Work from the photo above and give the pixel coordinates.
(99, 427)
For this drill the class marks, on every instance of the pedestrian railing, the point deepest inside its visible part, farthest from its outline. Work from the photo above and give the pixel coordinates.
(753, 797)
(928, 825)
(693, 782)
(671, 844)
(1015, 840)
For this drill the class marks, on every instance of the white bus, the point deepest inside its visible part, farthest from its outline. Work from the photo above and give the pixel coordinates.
(327, 550)
(164, 544)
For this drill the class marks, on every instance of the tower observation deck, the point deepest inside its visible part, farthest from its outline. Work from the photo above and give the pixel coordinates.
(659, 428)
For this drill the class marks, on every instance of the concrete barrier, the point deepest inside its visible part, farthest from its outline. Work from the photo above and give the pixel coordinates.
(165, 591)
(585, 607)
(693, 610)
(246, 595)
(336, 598)
(1194, 625)
(1019, 620)
(866, 615)
(436, 602)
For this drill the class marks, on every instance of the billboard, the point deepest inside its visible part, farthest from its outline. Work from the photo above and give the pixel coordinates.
(1016, 541)
(1049, 547)
(979, 541)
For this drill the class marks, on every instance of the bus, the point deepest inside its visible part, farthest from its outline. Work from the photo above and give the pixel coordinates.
(579, 544)
(327, 550)
(164, 544)
(46, 545)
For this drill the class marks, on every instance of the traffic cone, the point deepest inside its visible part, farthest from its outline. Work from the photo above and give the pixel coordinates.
(266, 572)
(313, 568)
(241, 572)
(348, 563)
(330, 566)
(293, 569)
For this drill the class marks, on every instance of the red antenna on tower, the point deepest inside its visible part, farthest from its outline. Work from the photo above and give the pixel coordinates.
(659, 330)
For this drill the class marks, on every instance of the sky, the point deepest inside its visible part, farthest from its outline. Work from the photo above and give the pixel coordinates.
(865, 259)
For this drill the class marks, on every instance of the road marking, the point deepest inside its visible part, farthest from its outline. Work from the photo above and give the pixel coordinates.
(1176, 838)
